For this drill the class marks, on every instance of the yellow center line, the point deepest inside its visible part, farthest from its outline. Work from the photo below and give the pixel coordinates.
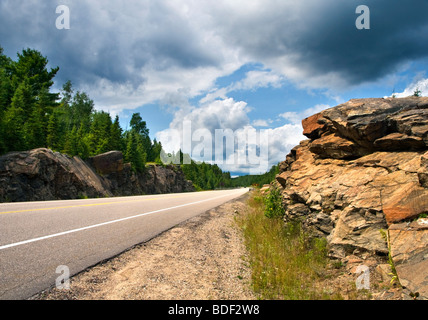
(89, 205)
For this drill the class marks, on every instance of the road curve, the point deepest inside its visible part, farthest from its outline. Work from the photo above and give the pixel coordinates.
(38, 237)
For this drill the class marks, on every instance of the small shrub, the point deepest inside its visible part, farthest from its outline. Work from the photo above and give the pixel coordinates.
(273, 204)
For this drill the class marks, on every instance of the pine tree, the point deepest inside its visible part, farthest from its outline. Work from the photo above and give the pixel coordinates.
(81, 109)
(31, 67)
(15, 119)
(83, 150)
(53, 132)
(5, 97)
(71, 143)
(100, 132)
(116, 142)
(135, 153)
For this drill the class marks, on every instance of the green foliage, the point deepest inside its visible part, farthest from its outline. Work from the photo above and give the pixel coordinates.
(135, 153)
(25, 100)
(393, 274)
(273, 204)
(205, 176)
(31, 116)
(260, 180)
(286, 263)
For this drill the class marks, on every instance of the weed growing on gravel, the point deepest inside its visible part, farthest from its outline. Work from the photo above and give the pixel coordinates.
(285, 261)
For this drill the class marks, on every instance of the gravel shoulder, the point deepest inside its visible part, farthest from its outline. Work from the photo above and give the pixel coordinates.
(203, 258)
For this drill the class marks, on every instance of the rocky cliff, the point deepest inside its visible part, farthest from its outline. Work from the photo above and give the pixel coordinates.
(364, 169)
(41, 174)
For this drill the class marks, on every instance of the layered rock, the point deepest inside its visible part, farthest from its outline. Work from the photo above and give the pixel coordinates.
(41, 174)
(409, 252)
(363, 169)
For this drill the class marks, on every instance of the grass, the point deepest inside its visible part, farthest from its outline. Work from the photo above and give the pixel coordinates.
(393, 273)
(286, 263)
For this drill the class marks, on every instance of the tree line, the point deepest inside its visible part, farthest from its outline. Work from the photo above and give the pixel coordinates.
(205, 176)
(31, 116)
(256, 180)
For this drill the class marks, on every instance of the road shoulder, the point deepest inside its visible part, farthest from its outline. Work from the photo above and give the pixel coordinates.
(203, 258)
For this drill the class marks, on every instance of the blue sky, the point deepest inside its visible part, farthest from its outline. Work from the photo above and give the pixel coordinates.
(235, 64)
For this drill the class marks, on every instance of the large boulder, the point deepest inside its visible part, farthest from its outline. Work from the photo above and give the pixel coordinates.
(108, 162)
(41, 174)
(373, 125)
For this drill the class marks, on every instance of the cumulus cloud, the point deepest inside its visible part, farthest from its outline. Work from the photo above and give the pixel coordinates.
(256, 79)
(262, 123)
(221, 132)
(297, 117)
(216, 115)
(421, 85)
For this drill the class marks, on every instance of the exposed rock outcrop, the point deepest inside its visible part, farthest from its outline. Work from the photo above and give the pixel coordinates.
(363, 169)
(41, 174)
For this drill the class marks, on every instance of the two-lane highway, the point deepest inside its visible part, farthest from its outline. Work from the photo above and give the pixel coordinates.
(37, 237)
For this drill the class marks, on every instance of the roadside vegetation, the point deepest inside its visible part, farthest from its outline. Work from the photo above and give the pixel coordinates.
(286, 263)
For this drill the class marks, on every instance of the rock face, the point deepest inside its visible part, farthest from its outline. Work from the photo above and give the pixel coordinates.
(363, 169)
(41, 174)
(410, 254)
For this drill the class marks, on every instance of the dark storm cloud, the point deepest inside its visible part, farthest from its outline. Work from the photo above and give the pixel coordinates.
(321, 37)
(106, 39)
(117, 41)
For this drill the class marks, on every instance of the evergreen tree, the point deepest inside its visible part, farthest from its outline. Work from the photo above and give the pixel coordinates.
(31, 67)
(37, 125)
(134, 151)
(138, 125)
(155, 152)
(6, 91)
(71, 144)
(53, 132)
(82, 145)
(15, 118)
(101, 132)
(82, 108)
(116, 142)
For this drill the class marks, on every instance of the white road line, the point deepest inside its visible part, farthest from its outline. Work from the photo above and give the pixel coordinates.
(102, 224)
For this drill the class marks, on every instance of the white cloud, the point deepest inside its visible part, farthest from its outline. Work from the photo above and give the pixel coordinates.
(262, 123)
(256, 79)
(421, 85)
(262, 148)
(297, 117)
(291, 116)
(253, 80)
(216, 115)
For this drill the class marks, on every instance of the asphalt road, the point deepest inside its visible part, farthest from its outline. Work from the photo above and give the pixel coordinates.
(38, 237)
